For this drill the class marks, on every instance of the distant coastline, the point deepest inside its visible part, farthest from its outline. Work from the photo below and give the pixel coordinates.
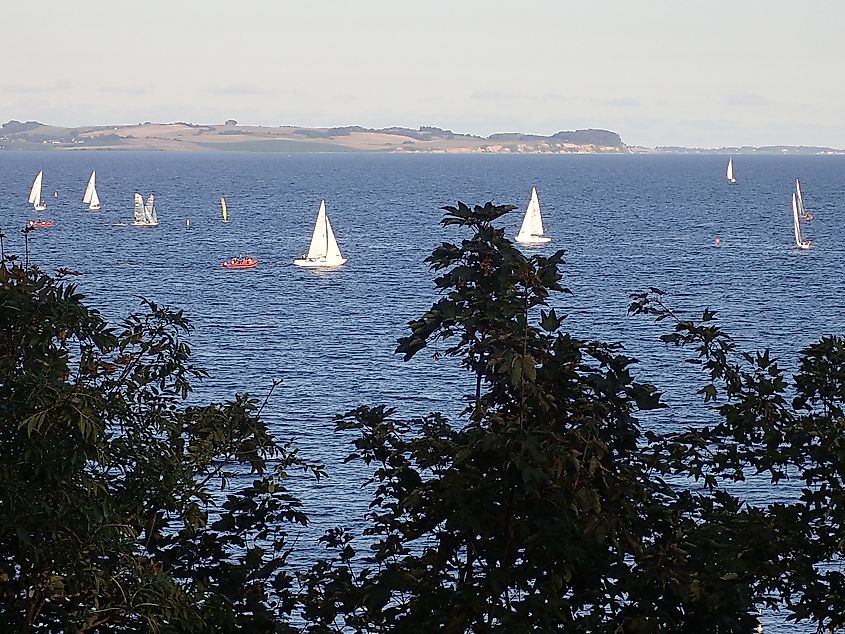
(743, 149)
(230, 136)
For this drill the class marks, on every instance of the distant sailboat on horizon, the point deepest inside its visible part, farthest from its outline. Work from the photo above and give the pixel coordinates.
(323, 251)
(35, 193)
(796, 225)
(730, 172)
(799, 198)
(531, 231)
(224, 209)
(90, 198)
(144, 214)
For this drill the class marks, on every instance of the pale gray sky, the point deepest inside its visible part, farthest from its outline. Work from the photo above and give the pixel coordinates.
(659, 72)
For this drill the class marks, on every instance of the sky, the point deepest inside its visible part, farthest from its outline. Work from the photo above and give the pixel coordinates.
(658, 72)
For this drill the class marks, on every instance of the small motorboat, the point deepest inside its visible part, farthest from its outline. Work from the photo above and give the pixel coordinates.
(39, 224)
(240, 263)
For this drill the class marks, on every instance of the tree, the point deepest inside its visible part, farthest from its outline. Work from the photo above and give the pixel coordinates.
(122, 509)
(545, 508)
(548, 508)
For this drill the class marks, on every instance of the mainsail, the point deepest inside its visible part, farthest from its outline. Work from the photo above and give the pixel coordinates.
(35, 193)
(138, 215)
(796, 225)
(799, 198)
(319, 240)
(150, 211)
(532, 230)
(224, 209)
(90, 198)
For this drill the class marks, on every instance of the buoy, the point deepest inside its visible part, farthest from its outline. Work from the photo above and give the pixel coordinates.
(188, 223)
(718, 240)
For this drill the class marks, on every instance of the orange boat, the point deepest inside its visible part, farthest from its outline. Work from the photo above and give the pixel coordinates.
(240, 263)
(39, 224)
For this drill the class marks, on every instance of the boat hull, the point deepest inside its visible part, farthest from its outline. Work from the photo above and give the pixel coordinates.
(534, 240)
(232, 266)
(144, 224)
(320, 263)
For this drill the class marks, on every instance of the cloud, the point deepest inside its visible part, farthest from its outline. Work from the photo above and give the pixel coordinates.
(25, 89)
(240, 89)
(494, 95)
(746, 99)
(126, 90)
(619, 102)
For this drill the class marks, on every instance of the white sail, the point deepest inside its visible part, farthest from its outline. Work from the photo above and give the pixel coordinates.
(796, 225)
(323, 250)
(138, 213)
(224, 209)
(95, 201)
(145, 213)
(89, 189)
(150, 210)
(319, 239)
(532, 231)
(35, 193)
(730, 172)
(799, 197)
(332, 249)
(90, 198)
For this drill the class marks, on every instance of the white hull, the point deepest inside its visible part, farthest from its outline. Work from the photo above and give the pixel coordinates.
(319, 263)
(144, 224)
(534, 240)
(40, 207)
(94, 208)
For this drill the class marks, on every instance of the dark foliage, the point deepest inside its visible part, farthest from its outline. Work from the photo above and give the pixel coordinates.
(549, 509)
(107, 480)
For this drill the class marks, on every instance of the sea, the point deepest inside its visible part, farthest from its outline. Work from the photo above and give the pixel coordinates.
(626, 222)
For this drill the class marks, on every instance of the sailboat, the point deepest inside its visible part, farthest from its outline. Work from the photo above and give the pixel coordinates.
(531, 231)
(224, 209)
(144, 214)
(796, 224)
(730, 173)
(799, 197)
(323, 252)
(35, 193)
(90, 198)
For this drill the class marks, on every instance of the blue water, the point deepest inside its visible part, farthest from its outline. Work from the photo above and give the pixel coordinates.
(627, 223)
